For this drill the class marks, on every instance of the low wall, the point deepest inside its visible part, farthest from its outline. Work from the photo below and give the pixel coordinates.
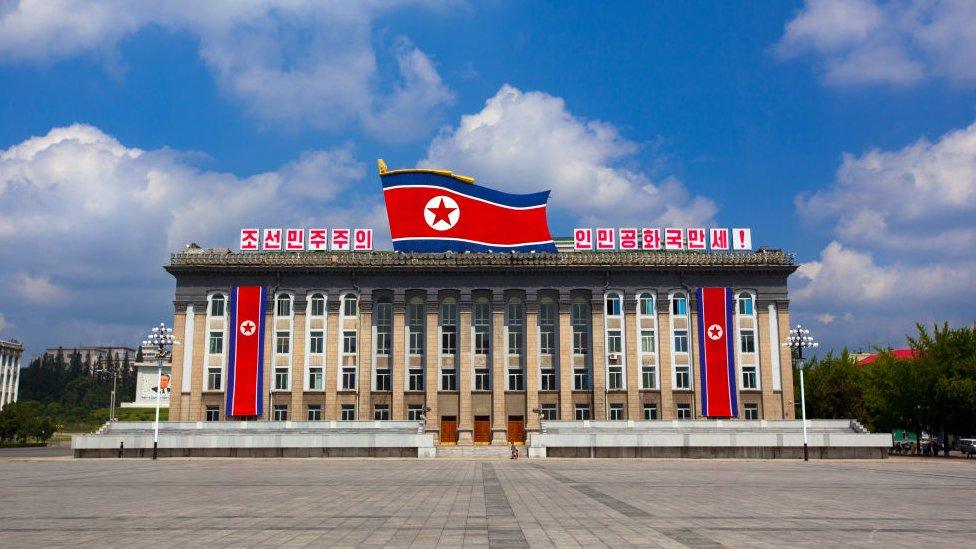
(698, 452)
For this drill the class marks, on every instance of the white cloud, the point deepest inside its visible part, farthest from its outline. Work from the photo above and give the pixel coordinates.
(290, 62)
(98, 219)
(529, 141)
(866, 42)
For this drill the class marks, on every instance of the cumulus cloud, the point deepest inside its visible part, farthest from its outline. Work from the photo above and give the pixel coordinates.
(867, 42)
(290, 62)
(528, 141)
(99, 218)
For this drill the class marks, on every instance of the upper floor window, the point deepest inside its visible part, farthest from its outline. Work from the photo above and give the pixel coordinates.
(482, 327)
(350, 305)
(579, 319)
(448, 321)
(547, 328)
(415, 326)
(679, 304)
(613, 304)
(316, 305)
(645, 304)
(283, 305)
(383, 318)
(515, 321)
(217, 303)
(744, 304)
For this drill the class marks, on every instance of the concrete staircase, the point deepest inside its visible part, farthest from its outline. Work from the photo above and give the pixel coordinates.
(477, 452)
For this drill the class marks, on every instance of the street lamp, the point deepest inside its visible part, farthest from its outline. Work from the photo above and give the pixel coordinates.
(161, 338)
(798, 340)
(115, 377)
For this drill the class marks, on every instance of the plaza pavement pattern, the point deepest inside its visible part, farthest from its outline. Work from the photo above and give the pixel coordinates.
(490, 503)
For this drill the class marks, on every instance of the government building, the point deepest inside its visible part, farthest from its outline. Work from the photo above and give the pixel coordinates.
(480, 346)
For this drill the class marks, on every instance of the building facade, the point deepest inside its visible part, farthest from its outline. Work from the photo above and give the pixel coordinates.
(10, 357)
(481, 346)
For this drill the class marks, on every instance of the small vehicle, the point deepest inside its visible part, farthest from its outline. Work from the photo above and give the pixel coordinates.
(967, 446)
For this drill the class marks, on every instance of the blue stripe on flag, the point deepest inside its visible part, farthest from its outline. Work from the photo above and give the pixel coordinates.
(730, 326)
(459, 246)
(469, 189)
(703, 373)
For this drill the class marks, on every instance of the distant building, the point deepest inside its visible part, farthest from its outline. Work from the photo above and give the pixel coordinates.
(147, 380)
(10, 353)
(94, 354)
(905, 354)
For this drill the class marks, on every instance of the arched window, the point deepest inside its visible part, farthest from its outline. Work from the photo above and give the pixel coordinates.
(316, 306)
(416, 320)
(350, 305)
(217, 305)
(482, 326)
(680, 341)
(283, 305)
(514, 321)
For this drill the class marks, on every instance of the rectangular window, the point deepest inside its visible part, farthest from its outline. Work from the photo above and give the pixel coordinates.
(582, 412)
(349, 342)
(482, 323)
(214, 379)
(349, 306)
(348, 378)
(415, 379)
(613, 306)
(213, 413)
(314, 412)
(280, 412)
(614, 344)
(616, 412)
(416, 341)
(449, 380)
(684, 411)
(548, 412)
(415, 412)
(547, 340)
(650, 411)
(316, 342)
(216, 343)
(649, 377)
(317, 306)
(682, 377)
(581, 379)
(749, 377)
(647, 305)
(580, 338)
(548, 379)
(615, 378)
(580, 328)
(282, 343)
(348, 412)
(647, 341)
(515, 379)
(681, 341)
(315, 379)
(449, 340)
(515, 340)
(745, 306)
(283, 307)
(481, 382)
(383, 343)
(217, 306)
(416, 315)
(382, 379)
(381, 412)
(481, 340)
(679, 306)
(281, 379)
(747, 341)
(751, 411)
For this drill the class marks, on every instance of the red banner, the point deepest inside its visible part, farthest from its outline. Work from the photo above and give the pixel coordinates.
(717, 360)
(245, 366)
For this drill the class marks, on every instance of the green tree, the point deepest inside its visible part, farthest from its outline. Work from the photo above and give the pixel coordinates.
(835, 388)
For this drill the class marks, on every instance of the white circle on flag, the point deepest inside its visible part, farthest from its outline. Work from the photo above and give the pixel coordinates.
(441, 213)
(715, 332)
(248, 327)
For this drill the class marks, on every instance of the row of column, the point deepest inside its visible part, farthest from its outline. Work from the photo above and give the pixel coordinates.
(9, 375)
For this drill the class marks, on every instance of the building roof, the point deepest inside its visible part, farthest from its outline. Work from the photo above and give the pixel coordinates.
(906, 354)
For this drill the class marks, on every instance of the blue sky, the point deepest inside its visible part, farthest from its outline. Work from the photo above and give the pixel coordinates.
(837, 130)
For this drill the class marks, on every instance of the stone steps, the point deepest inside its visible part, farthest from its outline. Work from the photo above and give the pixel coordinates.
(479, 451)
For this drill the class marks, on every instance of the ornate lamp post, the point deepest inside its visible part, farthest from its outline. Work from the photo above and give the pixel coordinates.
(161, 337)
(800, 339)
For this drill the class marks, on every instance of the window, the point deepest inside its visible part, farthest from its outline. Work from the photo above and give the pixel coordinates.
(515, 321)
(684, 411)
(415, 327)
(349, 305)
(615, 378)
(283, 305)
(415, 412)
(217, 305)
(681, 341)
(316, 305)
(581, 380)
(548, 379)
(645, 305)
(381, 412)
(582, 412)
(747, 341)
(216, 343)
(745, 304)
(682, 377)
(213, 379)
(315, 379)
(616, 412)
(316, 342)
(481, 382)
(349, 377)
(282, 342)
(281, 379)
(213, 413)
(515, 379)
(614, 341)
(449, 380)
(348, 412)
(613, 305)
(547, 328)
(751, 411)
(647, 341)
(449, 328)
(314, 412)
(548, 412)
(482, 324)
(649, 377)
(749, 377)
(280, 412)
(415, 379)
(679, 305)
(349, 342)
(382, 318)
(580, 323)
(383, 379)
(650, 411)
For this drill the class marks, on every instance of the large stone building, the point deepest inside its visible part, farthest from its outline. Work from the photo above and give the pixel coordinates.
(10, 355)
(480, 346)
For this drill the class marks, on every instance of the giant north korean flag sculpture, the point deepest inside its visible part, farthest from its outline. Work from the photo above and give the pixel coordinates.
(717, 355)
(245, 366)
(439, 211)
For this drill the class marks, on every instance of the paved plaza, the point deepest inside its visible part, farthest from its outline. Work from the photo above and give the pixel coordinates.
(500, 503)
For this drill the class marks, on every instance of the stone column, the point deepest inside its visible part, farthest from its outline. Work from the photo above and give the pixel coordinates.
(398, 357)
(4, 368)
(631, 357)
(179, 378)
(364, 357)
(499, 364)
(664, 358)
(531, 350)
(269, 348)
(432, 356)
(598, 355)
(770, 407)
(693, 350)
(193, 406)
(298, 357)
(565, 353)
(332, 358)
(465, 337)
(17, 368)
(786, 362)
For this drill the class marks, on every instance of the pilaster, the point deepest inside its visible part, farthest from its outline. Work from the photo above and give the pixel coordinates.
(499, 359)
(631, 357)
(332, 358)
(465, 340)
(531, 362)
(665, 361)
(398, 355)
(432, 356)
(598, 355)
(565, 305)
(364, 358)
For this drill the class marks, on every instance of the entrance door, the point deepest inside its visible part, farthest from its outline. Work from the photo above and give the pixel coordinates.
(448, 429)
(516, 429)
(482, 430)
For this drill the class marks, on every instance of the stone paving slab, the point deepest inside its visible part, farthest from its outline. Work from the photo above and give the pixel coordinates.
(469, 503)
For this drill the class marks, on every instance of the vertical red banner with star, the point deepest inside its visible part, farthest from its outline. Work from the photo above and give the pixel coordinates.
(245, 364)
(716, 352)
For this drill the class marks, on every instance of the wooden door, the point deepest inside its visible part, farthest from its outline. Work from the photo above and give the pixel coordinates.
(516, 429)
(482, 430)
(449, 430)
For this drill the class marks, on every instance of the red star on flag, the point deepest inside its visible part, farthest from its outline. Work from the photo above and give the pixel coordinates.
(441, 212)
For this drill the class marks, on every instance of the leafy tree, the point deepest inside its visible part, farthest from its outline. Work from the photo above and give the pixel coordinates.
(835, 389)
